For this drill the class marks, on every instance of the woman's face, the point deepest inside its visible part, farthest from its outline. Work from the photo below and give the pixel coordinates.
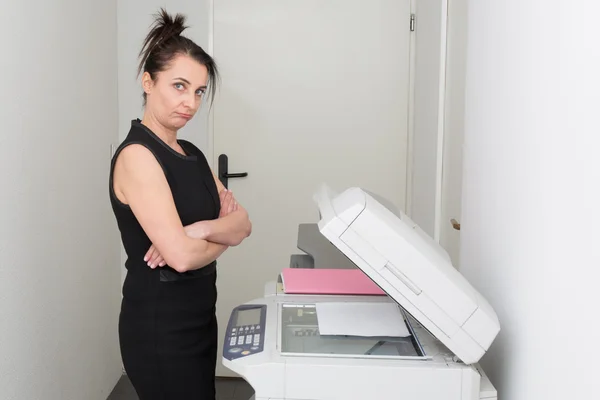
(175, 96)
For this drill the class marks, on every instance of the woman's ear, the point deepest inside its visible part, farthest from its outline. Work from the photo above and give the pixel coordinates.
(147, 83)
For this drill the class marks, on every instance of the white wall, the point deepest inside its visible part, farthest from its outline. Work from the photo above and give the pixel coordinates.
(134, 20)
(531, 193)
(59, 258)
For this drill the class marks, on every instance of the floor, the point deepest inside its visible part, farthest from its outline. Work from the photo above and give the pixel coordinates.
(227, 389)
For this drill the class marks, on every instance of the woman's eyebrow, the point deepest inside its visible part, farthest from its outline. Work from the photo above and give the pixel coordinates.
(188, 82)
(182, 79)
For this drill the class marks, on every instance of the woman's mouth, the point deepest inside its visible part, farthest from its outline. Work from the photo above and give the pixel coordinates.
(186, 116)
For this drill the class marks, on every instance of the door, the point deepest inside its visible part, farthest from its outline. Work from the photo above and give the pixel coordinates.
(311, 92)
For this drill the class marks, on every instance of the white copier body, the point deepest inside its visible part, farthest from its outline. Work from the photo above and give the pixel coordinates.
(274, 342)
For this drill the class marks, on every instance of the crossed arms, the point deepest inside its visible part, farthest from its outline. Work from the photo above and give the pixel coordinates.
(140, 182)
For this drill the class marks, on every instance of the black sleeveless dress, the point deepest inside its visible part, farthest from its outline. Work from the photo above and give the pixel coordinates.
(167, 324)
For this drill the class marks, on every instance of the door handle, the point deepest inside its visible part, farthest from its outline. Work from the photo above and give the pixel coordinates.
(223, 172)
(236, 175)
(455, 224)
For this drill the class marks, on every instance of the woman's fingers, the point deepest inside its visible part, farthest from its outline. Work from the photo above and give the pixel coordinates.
(227, 203)
(153, 258)
(149, 253)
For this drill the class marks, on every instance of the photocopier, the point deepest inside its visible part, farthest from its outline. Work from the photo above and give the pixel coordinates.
(277, 345)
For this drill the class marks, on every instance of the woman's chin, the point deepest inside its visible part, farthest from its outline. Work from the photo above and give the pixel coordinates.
(179, 122)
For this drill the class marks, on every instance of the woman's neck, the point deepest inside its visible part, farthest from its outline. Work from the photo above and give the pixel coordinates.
(166, 135)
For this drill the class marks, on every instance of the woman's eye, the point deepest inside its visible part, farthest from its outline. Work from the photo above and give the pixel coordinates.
(179, 86)
(200, 92)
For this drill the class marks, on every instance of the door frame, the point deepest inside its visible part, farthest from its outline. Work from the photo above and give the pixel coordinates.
(441, 130)
(411, 129)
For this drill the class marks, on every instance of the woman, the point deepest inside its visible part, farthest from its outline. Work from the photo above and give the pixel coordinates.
(175, 219)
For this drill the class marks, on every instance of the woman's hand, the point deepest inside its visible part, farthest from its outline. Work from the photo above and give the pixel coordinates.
(153, 258)
(228, 202)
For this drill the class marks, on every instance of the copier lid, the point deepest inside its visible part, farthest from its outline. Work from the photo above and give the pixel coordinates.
(410, 267)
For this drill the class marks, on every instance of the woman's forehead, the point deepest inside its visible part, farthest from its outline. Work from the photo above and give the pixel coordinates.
(185, 67)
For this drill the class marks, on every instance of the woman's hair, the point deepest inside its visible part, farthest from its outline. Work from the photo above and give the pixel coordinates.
(164, 42)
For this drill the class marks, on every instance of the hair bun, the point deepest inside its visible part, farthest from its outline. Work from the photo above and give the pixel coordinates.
(169, 26)
(164, 28)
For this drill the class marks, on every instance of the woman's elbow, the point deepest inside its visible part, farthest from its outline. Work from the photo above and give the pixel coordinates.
(184, 257)
(247, 228)
(243, 234)
(179, 263)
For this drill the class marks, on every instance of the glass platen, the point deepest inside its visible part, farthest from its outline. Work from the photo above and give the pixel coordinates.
(300, 336)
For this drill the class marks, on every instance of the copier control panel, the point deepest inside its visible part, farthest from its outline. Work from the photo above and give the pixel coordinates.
(245, 331)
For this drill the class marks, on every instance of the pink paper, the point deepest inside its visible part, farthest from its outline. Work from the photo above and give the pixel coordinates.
(328, 281)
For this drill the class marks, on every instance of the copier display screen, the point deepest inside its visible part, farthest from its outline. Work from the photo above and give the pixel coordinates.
(250, 316)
